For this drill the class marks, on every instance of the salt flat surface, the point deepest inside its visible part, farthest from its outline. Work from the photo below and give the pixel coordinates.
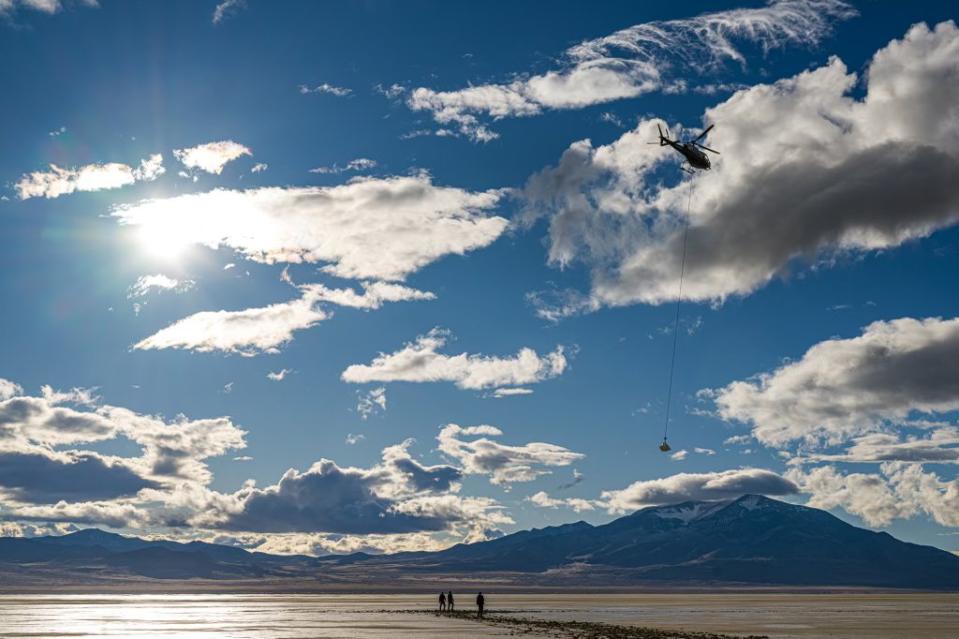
(783, 616)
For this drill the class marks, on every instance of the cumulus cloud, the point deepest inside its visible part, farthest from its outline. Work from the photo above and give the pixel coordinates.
(36, 469)
(397, 496)
(212, 156)
(503, 463)
(637, 60)
(91, 177)
(146, 284)
(368, 228)
(900, 491)
(254, 331)
(9, 389)
(727, 484)
(810, 173)
(419, 361)
(842, 388)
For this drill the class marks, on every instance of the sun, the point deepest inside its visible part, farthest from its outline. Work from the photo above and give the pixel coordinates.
(163, 241)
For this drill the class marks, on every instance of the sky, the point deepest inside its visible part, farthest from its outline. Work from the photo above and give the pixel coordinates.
(327, 277)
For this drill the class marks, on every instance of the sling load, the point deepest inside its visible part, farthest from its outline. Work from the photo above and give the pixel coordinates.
(696, 159)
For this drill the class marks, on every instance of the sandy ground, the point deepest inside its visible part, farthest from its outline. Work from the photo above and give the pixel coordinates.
(780, 616)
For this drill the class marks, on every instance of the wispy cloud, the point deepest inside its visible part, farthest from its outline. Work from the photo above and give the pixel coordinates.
(326, 87)
(227, 8)
(91, 177)
(420, 361)
(637, 60)
(359, 164)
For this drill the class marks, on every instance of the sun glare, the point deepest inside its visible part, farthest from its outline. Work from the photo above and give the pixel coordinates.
(163, 241)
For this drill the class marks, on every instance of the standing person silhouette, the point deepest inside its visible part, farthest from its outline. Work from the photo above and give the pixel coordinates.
(442, 602)
(480, 603)
(449, 600)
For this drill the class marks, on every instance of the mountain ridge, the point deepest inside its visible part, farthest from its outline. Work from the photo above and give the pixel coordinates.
(749, 540)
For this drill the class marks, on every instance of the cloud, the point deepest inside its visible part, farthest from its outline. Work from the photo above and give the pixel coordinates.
(397, 496)
(727, 484)
(226, 9)
(91, 177)
(419, 362)
(212, 156)
(511, 392)
(900, 491)
(679, 455)
(660, 55)
(577, 478)
(504, 464)
(941, 446)
(368, 228)
(842, 388)
(259, 167)
(543, 500)
(43, 6)
(880, 170)
(359, 164)
(145, 284)
(9, 389)
(326, 87)
(35, 468)
(255, 331)
(279, 375)
(46, 477)
(352, 440)
(372, 402)
(248, 332)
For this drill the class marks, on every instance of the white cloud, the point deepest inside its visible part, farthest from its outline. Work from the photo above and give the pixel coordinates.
(9, 389)
(727, 484)
(372, 402)
(226, 9)
(881, 167)
(397, 496)
(634, 61)
(145, 284)
(352, 440)
(259, 167)
(504, 464)
(679, 455)
(900, 491)
(91, 177)
(359, 164)
(326, 87)
(419, 361)
(42, 6)
(253, 331)
(511, 392)
(842, 388)
(212, 156)
(248, 332)
(704, 451)
(543, 500)
(279, 375)
(368, 228)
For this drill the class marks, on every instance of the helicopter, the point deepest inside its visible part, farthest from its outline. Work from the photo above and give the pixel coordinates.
(690, 149)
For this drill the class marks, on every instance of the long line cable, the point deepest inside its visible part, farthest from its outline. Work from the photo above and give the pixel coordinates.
(679, 300)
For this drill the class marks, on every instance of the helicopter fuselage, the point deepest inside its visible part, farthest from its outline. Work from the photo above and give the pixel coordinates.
(696, 158)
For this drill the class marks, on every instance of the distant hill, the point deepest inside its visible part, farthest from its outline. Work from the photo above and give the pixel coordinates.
(752, 540)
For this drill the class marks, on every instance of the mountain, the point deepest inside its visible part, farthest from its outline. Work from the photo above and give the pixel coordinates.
(752, 540)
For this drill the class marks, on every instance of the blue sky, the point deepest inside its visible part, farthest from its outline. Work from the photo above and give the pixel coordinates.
(485, 175)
